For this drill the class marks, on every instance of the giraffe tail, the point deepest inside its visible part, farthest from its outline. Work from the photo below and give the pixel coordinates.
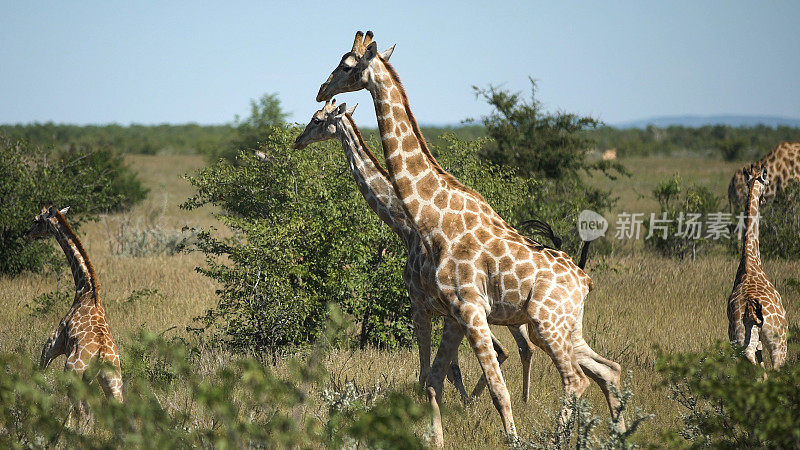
(544, 228)
(753, 311)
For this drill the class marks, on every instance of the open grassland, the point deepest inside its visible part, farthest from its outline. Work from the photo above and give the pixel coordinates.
(640, 301)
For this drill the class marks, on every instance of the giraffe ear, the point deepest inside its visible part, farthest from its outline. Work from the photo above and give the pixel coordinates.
(352, 110)
(747, 177)
(340, 110)
(64, 211)
(386, 54)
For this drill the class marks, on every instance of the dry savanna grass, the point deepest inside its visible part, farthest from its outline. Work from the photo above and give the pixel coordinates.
(640, 301)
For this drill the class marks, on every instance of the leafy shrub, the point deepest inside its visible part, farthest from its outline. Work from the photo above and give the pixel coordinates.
(170, 402)
(779, 228)
(551, 147)
(303, 237)
(682, 209)
(89, 181)
(728, 402)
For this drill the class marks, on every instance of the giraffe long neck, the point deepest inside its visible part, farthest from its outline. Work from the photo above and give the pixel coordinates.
(373, 181)
(82, 269)
(415, 174)
(751, 253)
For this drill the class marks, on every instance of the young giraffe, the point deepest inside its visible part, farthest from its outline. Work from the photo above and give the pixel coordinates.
(783, 164)
(485, 271)
(83, 334)
(755, 311)
(373, 182)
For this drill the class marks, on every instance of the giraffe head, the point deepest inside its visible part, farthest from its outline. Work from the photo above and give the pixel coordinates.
(354, 70)
(756, 178)
(44, 222)
(323, 124)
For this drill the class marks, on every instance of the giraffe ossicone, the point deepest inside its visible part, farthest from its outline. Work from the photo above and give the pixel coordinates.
(485, 270)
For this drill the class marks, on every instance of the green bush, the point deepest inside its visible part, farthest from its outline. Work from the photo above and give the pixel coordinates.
(303, 237)
(175, 400)
(779, 228)
(553, 148)
(678, 203)
(88, 181)
(727, 401)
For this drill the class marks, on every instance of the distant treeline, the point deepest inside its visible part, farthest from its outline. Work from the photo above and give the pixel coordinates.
(188, 138)
(733, 142)
(143, 139)
(211, 139)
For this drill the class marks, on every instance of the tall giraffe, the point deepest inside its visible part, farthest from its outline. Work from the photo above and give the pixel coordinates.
(83, 334)
(783, 164)
(485, 271)
(755, 311)
(373, 182)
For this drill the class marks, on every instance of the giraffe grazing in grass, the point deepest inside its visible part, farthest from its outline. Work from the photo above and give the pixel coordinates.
(373, 182)
(783, 165)
(755, 311)
(83, 335)
(485, 271)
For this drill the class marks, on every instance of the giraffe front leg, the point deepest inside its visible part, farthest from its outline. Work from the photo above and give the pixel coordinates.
(480, 338)
(452, 334)
(502, 355)
(451, 337)
(422, 328)
(525, 347)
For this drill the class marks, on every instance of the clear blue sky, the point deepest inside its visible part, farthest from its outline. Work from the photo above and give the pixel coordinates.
(155, 62)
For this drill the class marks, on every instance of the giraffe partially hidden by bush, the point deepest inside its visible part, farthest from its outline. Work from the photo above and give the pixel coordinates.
(783, 165)
(755, 311)
(485, 270)
(83, 335)
(372, 180)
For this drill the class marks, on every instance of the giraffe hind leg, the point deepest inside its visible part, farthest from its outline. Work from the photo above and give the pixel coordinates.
(604, 372)
(752, 344)
(557, 343)
(110, 382)
(774, 337)
(480, 338)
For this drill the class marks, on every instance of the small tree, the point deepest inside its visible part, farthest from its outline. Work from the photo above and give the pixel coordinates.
(536, 142)
(265, 113)
(552, 148)
(679, 232)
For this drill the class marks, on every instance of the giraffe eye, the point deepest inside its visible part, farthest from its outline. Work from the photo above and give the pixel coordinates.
(315, 120)
(347, 68)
